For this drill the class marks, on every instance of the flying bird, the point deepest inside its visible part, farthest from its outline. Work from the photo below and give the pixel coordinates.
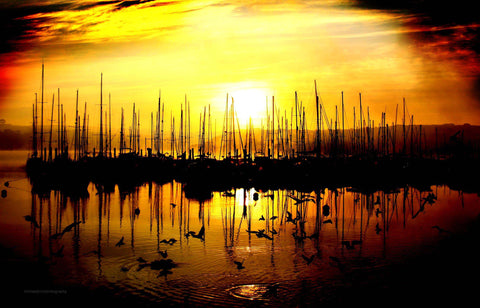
(440, 230)
(32, 220)
(170, 241)
(164, 254)
(308, 259)
(239, 264)
(200, 235)
(70, 227)
(120, 242)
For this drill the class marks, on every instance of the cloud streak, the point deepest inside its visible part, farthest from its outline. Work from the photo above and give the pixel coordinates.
(28, 24)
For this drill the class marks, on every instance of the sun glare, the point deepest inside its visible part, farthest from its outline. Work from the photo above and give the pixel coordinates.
(249, 104)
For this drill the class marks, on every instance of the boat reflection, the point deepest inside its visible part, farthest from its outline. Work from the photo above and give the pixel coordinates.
(155, 242)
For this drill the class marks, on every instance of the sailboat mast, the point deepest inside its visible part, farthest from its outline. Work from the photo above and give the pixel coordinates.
(76, 129)
(51, 131)
(100, 152)
(122, 137)
(58, 123)
(35, 120)
(41, 115)
(109, 125)
(318, 124)
(273, 126)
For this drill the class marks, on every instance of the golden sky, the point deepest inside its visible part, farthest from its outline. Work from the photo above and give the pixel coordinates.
(252, 50)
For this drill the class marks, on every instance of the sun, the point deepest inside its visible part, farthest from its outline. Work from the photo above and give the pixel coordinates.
(249, 103)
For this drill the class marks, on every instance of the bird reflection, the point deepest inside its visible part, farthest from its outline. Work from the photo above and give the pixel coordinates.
(305, 217)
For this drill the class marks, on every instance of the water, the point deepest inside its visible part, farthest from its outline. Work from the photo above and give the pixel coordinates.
(360, 244)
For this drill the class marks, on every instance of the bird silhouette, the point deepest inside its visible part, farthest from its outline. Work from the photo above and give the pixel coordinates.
(377, 211)
(164, 254)
(302, 200)
(308, 259)
(239, 264)
(440, 230)
(289, 217)
(264, 236)
(173, 204)
(260, 234)
(201, 233)
(261, 218)
(70, 227)
(32, 220)
(328, 221)
(256, 232)
(141, 260)
(137, 211)
(56, 235)
(273, 217)
(120, 242)
(170, 241)
(273, 231)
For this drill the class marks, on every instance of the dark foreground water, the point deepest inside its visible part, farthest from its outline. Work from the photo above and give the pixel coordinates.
(258, 248)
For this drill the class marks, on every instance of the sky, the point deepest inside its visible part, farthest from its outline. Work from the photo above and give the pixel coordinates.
(254, 51)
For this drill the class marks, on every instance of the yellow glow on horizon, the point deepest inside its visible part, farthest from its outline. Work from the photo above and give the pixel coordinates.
(251, 50)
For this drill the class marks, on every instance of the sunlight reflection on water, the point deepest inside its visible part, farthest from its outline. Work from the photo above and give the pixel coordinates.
(280, 260)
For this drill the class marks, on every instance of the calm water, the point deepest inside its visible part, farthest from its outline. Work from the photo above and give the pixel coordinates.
(339, 240)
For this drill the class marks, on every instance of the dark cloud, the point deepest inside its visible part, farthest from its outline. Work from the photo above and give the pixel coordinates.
(432, 15)
(434, 11)
(20, 22)
(447, 28)
(125, 4)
